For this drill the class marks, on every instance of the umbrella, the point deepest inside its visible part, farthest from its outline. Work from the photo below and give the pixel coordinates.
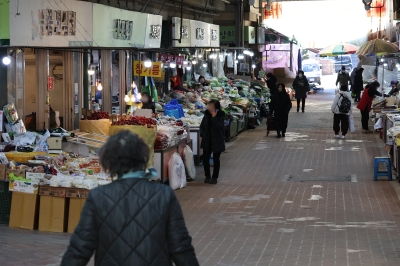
(338, 49)
(377, 47)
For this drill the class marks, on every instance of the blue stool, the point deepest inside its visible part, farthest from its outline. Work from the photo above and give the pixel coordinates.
(387, 173)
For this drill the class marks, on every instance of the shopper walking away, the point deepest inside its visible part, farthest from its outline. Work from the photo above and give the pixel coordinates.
(343, 78)
(365, 104)
(341, 109)
(271, 83)
(353, 75)
(280, 107)
(212, 132)
(358, 85)
(131, 221)
(301, 87)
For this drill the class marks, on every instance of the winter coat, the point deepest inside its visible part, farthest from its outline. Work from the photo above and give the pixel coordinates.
(343, 78)
(212, 132)
(368, 96)
(301, 87)
(271, 83)
(131, 222)
(337, 101)
(280, 104)
(358, 84)
(353, 74)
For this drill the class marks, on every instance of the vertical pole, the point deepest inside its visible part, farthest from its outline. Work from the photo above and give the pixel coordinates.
(85, 79)
(3, 79)
(42, 73)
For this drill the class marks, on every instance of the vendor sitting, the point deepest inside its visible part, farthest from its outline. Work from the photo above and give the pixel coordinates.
(240, 91)
(147, 102)
(395, 89)
(202, 81)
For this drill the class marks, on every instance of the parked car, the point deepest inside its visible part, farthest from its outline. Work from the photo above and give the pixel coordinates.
(312, 70)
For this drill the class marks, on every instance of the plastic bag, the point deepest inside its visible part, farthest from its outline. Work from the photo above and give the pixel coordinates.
(174, 109)
(176, 172)
(42, 145)
(11, 113)
(351, 123)
(189, 163)
(378, 124)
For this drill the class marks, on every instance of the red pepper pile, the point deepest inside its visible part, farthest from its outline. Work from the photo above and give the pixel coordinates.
(99, 115)
(162, 141)
(137, 121)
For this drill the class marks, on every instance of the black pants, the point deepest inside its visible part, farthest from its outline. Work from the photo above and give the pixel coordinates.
(365, 118)
(206, 163)
(303, 103)
(281, 122)
(340, 120)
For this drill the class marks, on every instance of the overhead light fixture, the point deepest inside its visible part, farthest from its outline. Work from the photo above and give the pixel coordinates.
(236, 61)
(188, 68)
(6, 60)
(194, 62)
(127, 98)
(385, 64)
(397, 65)
(204, 64)
(185, 62)
(246, 52)
(200, 56)
(91, 69)
(133, 99)
(99, 86)
(251, 54)
(382, 60)
(133, 85)
(253, 66)
(139, 96)
(240, 56)
(147, 63)
(172, 64)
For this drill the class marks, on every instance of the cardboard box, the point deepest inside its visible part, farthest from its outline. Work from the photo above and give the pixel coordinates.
(77, 193)
(29, 185)
(3, 169)
(53, 214)
(52, 191)
(24, 211)
(34, 177)
(74, 214)
(16, 174)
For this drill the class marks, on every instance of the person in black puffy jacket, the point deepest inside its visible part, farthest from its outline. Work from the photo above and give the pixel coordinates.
(131, 221)
(280, 107)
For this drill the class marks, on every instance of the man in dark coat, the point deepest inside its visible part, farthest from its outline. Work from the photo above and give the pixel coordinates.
(212, 132)
(271, 83)
(358, 85)
(280, 107)
(301, 87)
(131, 221)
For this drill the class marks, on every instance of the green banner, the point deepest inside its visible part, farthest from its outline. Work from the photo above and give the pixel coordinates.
(4, 20)
(227, 34)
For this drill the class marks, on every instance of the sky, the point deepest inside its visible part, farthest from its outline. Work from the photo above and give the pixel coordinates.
(322, 23)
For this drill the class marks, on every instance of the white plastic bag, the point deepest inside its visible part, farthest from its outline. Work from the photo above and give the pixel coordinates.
(351, 123)
(176, 172)
(189, 163)
(378, 124)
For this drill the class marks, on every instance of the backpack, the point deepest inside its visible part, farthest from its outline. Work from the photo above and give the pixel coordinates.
(345, 105)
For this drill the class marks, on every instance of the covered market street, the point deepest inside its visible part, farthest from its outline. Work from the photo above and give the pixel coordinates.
(259, 214)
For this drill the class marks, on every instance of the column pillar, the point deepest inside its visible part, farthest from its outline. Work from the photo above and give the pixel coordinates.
(42, 72)
(106, 80)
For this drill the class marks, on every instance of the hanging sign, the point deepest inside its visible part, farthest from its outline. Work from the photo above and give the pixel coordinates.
(181, 30)
(227, 34)
(214, 35)
(154, 71)
(171, 58)
(179, 60)
(200, 34)
(163, 58)
(153, 31)
(50, 83)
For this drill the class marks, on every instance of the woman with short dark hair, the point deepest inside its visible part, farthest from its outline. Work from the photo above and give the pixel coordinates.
(131, 221)
(212, 132)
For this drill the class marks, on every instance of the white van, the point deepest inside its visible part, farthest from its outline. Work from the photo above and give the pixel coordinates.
(312, 70)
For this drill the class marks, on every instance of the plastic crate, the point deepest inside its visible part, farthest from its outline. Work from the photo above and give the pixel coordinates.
(5, 203)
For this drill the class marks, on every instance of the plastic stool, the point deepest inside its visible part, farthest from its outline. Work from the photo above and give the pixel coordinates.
(387, 173)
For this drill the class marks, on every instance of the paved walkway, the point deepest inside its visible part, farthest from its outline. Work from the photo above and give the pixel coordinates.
(258, 214)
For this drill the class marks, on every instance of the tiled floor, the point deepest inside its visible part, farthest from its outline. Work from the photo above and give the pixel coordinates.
(254, 217)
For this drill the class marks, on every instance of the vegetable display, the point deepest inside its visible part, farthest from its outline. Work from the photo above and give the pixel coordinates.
(99, 115)
(136, 121)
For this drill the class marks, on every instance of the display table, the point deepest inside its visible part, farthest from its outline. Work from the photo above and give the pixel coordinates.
(231, 130)
(162, 157)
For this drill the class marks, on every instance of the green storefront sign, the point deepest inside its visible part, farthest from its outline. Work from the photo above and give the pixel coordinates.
(227, 34)
(4, 22)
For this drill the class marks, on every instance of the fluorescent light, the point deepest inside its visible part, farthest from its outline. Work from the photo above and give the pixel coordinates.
(385, 64)
(90, 72)
(133, 99)
(6, 60)
(172, 64)
(200, 56)
(185, 62)
(240, 56)
(147, 63)
(204, 64)
(188, 67)
(99, 87)
(251, 54)
(194, 62)
(253, 66)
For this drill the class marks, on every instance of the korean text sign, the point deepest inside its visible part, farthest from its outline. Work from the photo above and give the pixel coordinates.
(154, 71)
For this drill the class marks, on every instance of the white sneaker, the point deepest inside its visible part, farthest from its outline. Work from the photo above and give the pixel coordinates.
(343, 137)
(336, 136)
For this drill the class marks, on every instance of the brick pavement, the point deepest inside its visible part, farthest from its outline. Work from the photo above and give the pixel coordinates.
(252, 217)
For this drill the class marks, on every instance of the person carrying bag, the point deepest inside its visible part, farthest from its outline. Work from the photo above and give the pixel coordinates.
(342, 110)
